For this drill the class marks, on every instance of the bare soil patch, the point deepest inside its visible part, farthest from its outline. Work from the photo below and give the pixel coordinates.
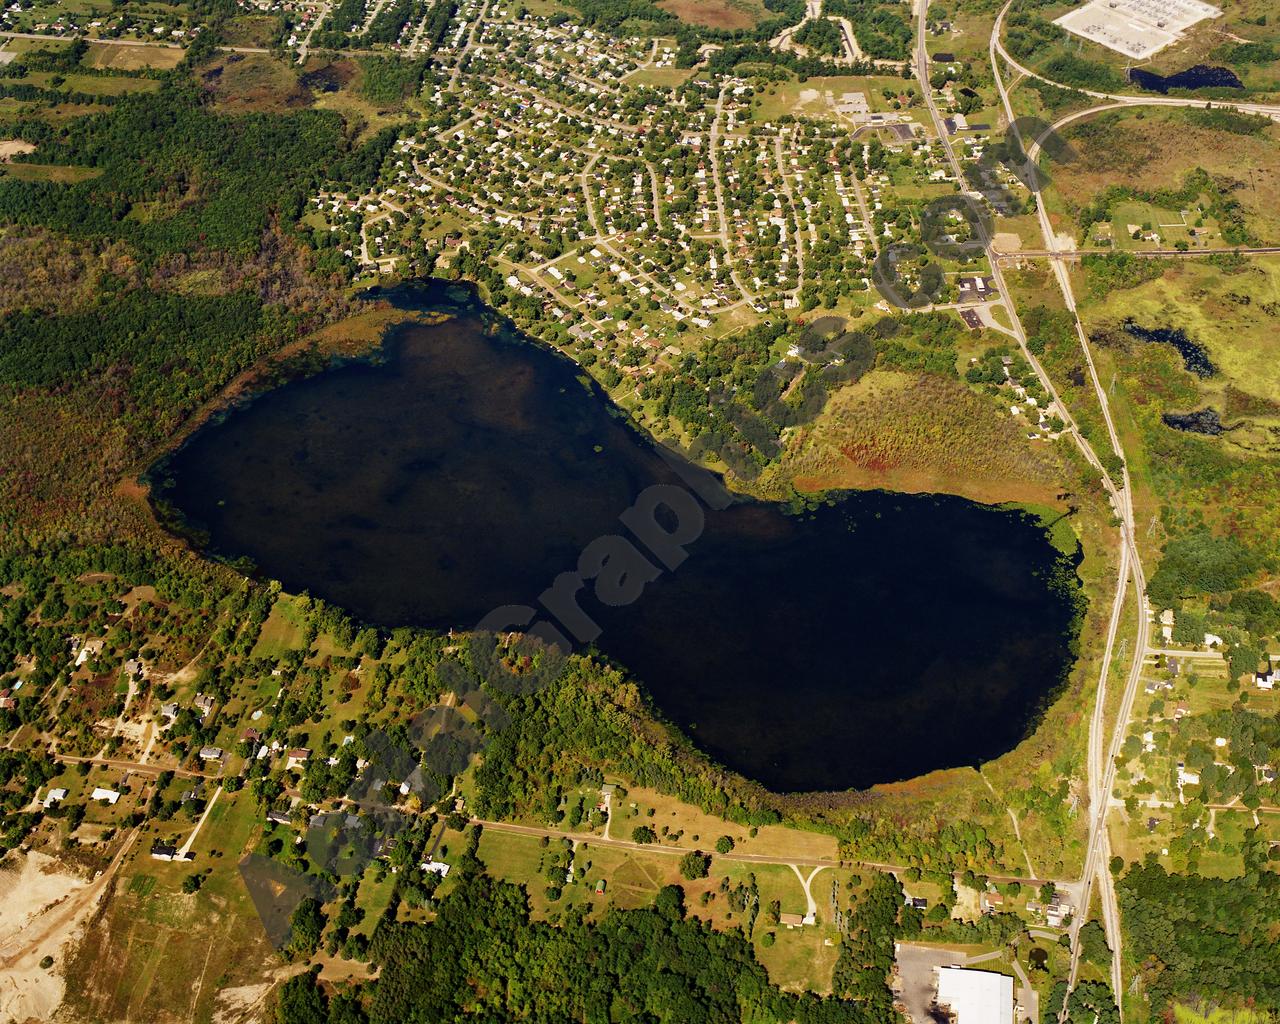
(714, 13)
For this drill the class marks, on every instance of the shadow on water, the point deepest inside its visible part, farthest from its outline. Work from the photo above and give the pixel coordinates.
(1202, 76)
(869, 639)
(1194, 357)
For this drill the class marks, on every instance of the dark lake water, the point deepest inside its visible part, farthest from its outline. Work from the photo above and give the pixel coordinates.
(1202, 76)
(869, 640)
(1194, 356)
(1202, 421)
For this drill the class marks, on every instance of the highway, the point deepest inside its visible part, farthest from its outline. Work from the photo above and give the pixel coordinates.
(1101, 764)
(1075, 254)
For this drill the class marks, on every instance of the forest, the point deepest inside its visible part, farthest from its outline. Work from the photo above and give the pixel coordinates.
(1211, 938)
(881, 29)
(483, 957)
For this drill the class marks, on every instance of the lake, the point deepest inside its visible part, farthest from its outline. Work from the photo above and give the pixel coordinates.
(867, 640)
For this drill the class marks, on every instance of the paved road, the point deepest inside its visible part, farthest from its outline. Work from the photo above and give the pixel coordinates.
(1270, 110)
(1074, 254)
(1101, 765)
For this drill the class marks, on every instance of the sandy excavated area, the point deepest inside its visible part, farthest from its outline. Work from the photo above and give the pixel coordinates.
(9, 148)
(43, 908)
(35, 897)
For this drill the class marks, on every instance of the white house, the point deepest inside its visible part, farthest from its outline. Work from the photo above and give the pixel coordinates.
(109, 795)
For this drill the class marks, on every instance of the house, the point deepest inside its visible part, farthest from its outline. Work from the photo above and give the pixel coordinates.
(436, 867)
(975, 997)
(252, 737)
(7, 703)
(975, 289)
(1181, 710)
(1265, 678)
(1186, 778)
(600, 887)
(211, 754)
(992, 902)
(279, 818)
(791, 920)
(1058, 910)
(109, 795)
(164, 851)
(170, 710)
(91, 649)
(54, 796)
(204, 704)
(296, 757)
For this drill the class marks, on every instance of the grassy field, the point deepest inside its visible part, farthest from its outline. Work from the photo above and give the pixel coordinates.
(254, 82)
(157, 954)
(817, 97)
(132, 58)
(51, 172)
(728, 14)
(283, 630)
(891, 431)
(699, 829)
(1186, 1015)
(662, 78)
(100, 85)
(1154, 150)
(250, 30)
(1231, 314)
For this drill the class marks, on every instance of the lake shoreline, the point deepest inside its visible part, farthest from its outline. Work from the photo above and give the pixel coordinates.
(386, 465)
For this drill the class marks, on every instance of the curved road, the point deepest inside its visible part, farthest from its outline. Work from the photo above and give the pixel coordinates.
(1270, 110)
(1101, 765)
